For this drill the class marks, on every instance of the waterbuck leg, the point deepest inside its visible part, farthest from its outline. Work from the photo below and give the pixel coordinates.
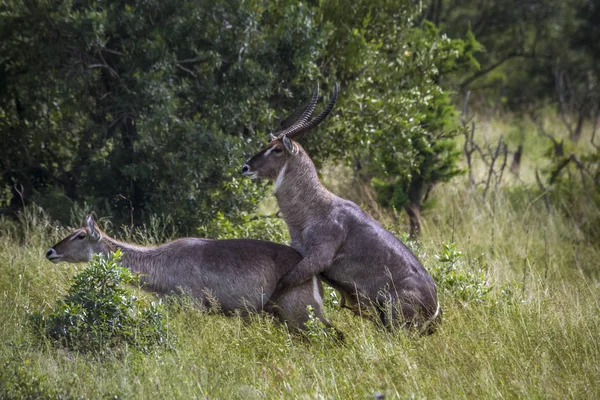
(291, 305)
(316, 261)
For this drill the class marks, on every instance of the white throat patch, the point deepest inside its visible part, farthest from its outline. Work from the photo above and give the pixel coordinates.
(280, 177)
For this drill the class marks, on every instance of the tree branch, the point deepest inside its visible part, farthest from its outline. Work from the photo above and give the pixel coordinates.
(189, 71)
(490, 68)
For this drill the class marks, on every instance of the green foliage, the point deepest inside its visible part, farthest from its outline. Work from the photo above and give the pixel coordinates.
(18, 383)
(453, 278)
(317, 332)
(5, 196)
(536, 53)
(150, 108)
(19, 379)
(99, 313)
(331, 298)
(395, 121)
(246, 226)
(146, 107)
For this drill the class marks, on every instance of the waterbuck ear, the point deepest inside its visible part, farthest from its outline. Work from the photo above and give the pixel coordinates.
(290, 146)
(91, 229)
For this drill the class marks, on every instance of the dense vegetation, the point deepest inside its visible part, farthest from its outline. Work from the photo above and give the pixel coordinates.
(144, 111)
(148, 108)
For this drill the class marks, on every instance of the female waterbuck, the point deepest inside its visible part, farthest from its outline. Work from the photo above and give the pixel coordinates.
(349, 249)
(239, 274)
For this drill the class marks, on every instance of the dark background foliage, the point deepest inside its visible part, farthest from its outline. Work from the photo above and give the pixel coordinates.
(141, 108)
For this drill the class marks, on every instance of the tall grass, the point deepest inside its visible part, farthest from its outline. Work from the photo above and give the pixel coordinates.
(535, 336)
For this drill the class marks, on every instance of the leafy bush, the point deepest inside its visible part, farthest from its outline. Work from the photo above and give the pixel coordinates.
(395, 122)
(454, 279)
(166, 109)
(99, 312)
(170, 115)
(246, 226)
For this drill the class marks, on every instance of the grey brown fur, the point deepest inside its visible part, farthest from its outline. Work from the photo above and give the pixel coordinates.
(240, 274)
(346, 246)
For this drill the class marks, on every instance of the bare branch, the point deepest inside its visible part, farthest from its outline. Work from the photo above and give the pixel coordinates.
(490, 68)
(130, 208)
(194, 60)
(469, 147)
(544, 191)
(561, 94)
(559, 150)
(112, 71)
(596, 117)
(111, 51)
(516, 162)
(491, 170)
(501, 172)
(21, 193)
(189, 71)
(562, 165)
(463, 115)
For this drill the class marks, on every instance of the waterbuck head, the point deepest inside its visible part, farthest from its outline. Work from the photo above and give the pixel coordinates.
(270, 162)
(79, 245)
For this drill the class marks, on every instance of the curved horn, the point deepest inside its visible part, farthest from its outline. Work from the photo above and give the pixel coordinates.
(298, 129)
(305, 115)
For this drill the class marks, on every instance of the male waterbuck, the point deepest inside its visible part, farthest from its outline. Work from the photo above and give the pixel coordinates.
(349, 249)
(240, 274)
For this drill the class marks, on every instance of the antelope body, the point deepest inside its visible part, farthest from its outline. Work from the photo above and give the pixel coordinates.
(338, 240)
(240, 274)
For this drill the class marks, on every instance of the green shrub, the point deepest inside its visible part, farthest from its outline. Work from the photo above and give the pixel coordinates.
(246, 226)
(460, 283)
(99, 312)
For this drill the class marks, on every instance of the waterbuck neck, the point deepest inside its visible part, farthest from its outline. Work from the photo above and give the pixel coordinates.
(299, 191)
(143, 260)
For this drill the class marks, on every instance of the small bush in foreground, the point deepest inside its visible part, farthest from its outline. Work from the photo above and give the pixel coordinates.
(453, 278)
(99, 312)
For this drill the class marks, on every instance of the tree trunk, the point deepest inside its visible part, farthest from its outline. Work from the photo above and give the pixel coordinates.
(413, 208)
(136, 197)
(414, 215)
(576, 134)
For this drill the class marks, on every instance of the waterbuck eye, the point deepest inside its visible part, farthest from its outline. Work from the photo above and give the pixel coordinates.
(277, 149)
(81, 235)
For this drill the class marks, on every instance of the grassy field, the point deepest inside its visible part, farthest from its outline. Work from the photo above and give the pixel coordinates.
(535, 335)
